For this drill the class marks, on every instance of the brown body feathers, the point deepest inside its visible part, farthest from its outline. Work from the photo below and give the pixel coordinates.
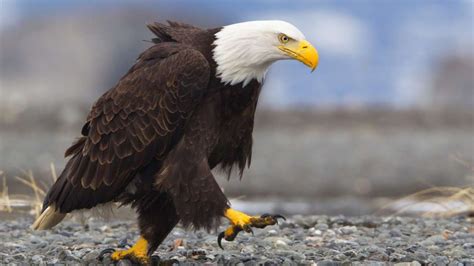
(152, 140)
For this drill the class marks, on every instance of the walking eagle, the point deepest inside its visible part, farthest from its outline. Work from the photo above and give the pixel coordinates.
(185, 107)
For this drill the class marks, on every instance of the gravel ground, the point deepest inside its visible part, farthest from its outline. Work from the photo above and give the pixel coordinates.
(300, 240)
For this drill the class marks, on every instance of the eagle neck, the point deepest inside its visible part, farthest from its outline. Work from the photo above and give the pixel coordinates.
(235, 62)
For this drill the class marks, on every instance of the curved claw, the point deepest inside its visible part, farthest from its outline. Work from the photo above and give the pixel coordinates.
(248, 229)
(273, 216)
(155, 260)
(219, 239)
(104, 252)
(276, 216)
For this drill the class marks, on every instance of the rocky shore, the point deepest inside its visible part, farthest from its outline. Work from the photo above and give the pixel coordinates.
(308, 240)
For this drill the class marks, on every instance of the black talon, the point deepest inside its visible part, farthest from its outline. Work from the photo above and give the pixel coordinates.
(276, 216)
(155, 260)
(219, 239)
(105, 251)
(248, 229)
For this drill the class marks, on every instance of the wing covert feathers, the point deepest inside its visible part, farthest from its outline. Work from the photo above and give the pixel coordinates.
(173, 32)
(140, 119)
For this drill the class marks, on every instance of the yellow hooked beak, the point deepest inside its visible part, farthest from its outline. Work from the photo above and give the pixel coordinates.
(302, 51)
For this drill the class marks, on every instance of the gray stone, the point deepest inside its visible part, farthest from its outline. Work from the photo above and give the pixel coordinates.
(396, 257)
(90, 256)
(272, 232)
(306, 221)
(340, 257)
(350, 253)
(20, 257)
(468, 245)
(441, 260)
(124, 263)
(37, 259)
(296, 256)
(328, 263)
(248, 249)
(347, 230)
(67, 256)
(321, 226)
(414, 263)
(395, 233)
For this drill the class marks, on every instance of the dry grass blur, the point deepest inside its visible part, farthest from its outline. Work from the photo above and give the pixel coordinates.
(29, 203)
(445, 201)
(5, 204)
(437, 202)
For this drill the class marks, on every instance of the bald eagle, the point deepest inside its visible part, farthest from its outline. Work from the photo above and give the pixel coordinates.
(185, 107)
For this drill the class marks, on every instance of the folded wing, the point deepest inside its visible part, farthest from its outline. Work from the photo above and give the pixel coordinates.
(140, 119)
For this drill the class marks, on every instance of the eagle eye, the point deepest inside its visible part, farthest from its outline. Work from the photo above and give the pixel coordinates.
(283, 38)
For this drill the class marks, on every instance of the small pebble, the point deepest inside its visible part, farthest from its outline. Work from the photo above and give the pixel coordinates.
(280, 244)
(272, 232)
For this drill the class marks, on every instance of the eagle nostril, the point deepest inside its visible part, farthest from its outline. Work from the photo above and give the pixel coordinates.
(306, 46)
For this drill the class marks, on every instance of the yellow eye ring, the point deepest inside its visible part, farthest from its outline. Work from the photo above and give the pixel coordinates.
(283, 38)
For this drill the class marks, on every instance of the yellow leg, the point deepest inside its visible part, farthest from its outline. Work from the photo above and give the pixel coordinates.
(237, 217)
(241, 221)
(138, 252)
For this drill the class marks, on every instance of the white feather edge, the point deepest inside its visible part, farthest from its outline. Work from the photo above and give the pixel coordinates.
(49, 218)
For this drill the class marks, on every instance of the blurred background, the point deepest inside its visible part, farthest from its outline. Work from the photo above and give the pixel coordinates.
(389, 111)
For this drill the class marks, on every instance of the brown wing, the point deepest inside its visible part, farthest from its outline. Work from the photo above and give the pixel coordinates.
(175, 32)
(139, 119)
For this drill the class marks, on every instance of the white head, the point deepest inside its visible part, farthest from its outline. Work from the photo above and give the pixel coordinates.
(244, 51)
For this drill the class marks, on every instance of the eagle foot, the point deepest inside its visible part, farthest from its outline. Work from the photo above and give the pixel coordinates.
(243, 222)
(138, 253)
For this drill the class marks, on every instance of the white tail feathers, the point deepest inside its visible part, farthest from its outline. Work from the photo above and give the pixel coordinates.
(49, 218)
